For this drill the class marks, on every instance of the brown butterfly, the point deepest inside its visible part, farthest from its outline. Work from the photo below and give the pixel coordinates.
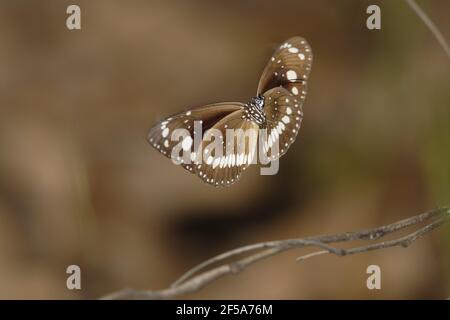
(277, 108)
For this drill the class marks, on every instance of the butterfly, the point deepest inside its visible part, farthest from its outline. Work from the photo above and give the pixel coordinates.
(276, 108)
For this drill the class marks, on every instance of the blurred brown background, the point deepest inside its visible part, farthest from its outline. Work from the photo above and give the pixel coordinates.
(80, 185)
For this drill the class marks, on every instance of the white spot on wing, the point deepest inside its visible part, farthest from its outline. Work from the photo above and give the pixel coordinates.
(187, 143)
(165, 132)
(291, 75)
(216, 162)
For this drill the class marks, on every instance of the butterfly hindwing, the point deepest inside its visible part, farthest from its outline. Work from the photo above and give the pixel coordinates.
(239, 134)
(284, 115)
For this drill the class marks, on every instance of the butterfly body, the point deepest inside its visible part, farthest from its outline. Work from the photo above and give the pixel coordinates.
(275, 114)
(254, 110)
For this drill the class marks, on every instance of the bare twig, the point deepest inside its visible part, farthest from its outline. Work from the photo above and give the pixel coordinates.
(190, 283)
(431, 26)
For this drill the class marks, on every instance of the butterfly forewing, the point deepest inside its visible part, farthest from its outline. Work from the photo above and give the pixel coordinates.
(283, 117)
(289, 68)
(160, 136)
(237, 149)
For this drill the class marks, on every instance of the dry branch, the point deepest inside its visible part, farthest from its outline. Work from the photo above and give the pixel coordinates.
(190, 282)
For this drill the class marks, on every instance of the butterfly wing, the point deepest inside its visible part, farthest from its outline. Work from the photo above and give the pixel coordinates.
(240, 134)
(289, 68)
(159, 135)
(283, 117)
